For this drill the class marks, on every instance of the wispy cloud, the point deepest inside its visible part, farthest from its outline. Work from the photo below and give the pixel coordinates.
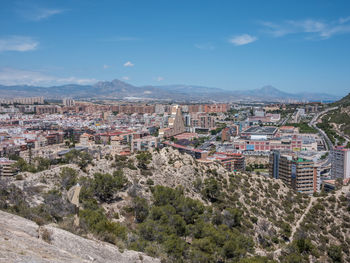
(312, 28)
(343, 20)
(11, 76)
(32, 12)
(119, 39)
(125, 78)
(18, 43)
(204, 46)
(44, 13)
(242, 39)
(128, 64)
(105, 66)
(159, 78)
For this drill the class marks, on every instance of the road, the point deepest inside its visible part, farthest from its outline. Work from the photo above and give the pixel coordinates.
(327, 142)
(312, 123)
(285, 120)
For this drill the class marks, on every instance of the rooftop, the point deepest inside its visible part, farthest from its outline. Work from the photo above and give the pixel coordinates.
(258, 130)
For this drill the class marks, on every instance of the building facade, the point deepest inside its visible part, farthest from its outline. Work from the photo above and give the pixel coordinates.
(340, 163)
(6, 167)
(297, 173)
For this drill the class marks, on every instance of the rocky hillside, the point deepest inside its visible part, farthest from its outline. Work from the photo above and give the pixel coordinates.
(22, 240)
(176, 209)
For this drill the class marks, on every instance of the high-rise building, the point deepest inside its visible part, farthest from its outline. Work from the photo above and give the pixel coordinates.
(274, 162)
(68, 102)
(297, 173)
(176, 123)
(340, 163)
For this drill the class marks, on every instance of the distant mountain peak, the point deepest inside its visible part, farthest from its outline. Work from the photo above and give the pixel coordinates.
(120, 89)
(269, 88)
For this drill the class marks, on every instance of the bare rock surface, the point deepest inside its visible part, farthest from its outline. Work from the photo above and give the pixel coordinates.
(22, 240)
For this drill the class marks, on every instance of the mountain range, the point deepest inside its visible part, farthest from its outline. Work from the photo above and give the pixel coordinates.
(117, 89)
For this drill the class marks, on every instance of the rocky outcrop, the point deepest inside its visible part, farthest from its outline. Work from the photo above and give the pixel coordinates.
(22, 240)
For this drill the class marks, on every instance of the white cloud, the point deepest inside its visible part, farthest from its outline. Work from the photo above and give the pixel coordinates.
(32, 12)
(159, 78)
(11, 76)
(128, 64)
(125, 78)
(311, 27)
(204, 46)
(275, 30)
(105, 66)
(343, 20)
(18, 43)
(44, 13)
(242, 39)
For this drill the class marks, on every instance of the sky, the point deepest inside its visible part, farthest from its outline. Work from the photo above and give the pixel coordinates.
(295, 46)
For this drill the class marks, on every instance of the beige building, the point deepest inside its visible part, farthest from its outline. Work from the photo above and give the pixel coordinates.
(298, 173)
(144, 143)
(176, 123)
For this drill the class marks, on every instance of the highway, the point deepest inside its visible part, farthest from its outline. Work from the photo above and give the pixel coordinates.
(313, 123)
(327, 142)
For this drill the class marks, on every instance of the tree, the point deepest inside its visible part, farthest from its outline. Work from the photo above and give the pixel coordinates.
(105, 186)
(211, 189)
(164, 195)
(232, 217)
(335, 253)
(175, 246)
(120, 179)
(141, 209)
(143, 158)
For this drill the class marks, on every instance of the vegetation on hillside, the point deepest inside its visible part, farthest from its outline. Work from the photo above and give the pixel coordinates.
(303, 127)
(234, 218)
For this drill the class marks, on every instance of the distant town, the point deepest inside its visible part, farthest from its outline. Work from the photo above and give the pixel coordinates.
(281, 141)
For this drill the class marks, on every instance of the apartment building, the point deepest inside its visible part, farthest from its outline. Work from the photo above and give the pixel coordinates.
(47, 109)
(207, 108)
(6, 167)
(340, 163)
(297, 173)
(231, 161)
(202, 120)
(130, 109)
(69, 102)
(28, 100)
(144, 143)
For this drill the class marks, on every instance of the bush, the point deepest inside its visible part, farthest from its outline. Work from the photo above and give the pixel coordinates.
(150, 181)
(46, 235)
(69, 177)
(141, 209)
(97, 222)
(105, 186)
(335, 253)
(19, 177)
(120, 179)
(212, 189)
(143, 158)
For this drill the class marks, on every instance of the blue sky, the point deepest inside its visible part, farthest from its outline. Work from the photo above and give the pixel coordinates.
(293, 45)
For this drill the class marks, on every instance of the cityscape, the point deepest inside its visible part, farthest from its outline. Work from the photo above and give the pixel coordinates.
(124, 165)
